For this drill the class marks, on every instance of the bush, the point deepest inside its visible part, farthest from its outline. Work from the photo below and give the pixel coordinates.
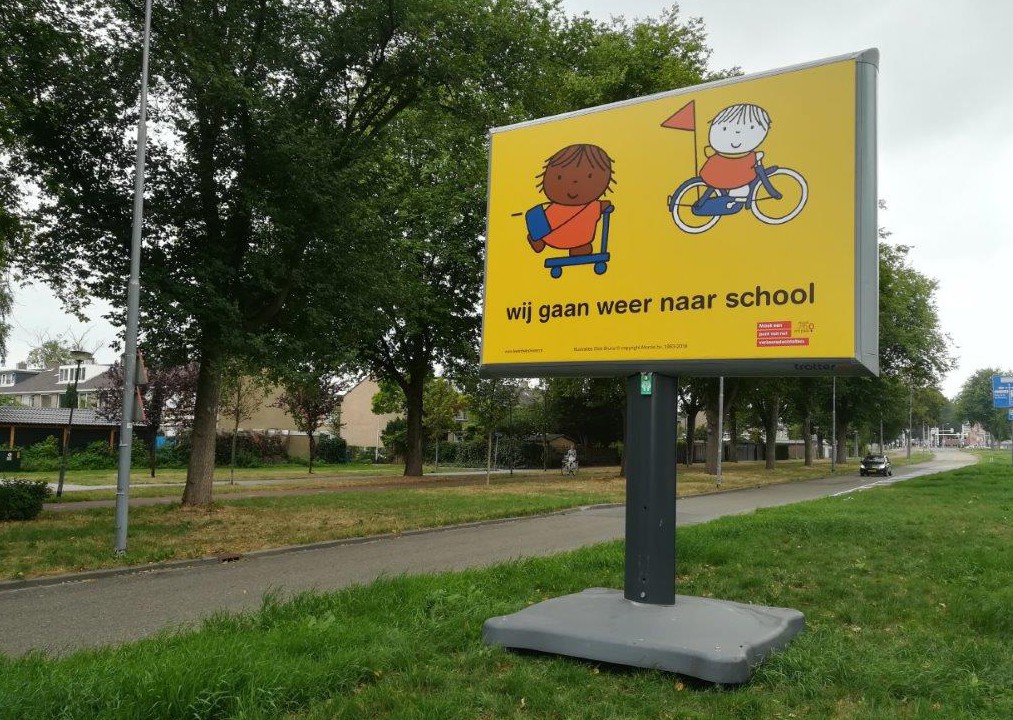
(22, 499)
(252, 449)
(332, 449)
(97, 456)
(44, 455)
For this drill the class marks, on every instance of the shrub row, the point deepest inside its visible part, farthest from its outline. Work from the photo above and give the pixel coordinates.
(252, 450)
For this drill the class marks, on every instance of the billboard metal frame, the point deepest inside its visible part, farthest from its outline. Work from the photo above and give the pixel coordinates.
(866, 248)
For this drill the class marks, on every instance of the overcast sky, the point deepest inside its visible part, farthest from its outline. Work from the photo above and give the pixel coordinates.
(945, 98)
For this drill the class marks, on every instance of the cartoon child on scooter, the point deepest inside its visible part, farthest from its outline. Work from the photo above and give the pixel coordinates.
(574, 180)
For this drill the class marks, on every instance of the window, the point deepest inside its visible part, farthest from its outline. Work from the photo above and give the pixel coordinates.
(67, 374)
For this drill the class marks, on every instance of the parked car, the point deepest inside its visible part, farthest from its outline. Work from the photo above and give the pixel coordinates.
(875, 465)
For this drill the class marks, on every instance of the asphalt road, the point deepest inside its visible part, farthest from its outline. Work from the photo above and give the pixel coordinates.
(93, 610)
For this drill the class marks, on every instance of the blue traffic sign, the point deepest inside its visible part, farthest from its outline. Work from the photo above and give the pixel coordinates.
(1010, 415)
(1002, 391)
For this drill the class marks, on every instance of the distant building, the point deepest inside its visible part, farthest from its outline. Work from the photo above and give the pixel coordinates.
(9, 377)
(360, 426)
(45, 388)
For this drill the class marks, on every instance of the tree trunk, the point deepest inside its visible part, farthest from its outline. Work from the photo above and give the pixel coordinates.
(200, 471)
(153, 451)
(313, 446)
(413, 450)
(807, 438)
(488, 460)
(690, 433)
(232, 455)
(713, 441)
(770, 427)
(733, 433)
(842, 444)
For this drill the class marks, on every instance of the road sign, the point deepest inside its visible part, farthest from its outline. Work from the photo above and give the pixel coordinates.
(1002, 391)
(1010, 415)
(722, 229)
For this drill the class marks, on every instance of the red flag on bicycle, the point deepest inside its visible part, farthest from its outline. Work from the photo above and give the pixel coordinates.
(684, 118)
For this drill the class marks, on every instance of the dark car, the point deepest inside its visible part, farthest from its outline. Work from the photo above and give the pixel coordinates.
(875, 465)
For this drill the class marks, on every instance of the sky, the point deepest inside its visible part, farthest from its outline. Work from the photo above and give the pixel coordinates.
(944, 101)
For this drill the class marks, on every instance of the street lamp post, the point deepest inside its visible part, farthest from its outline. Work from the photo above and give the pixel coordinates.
(78, 356)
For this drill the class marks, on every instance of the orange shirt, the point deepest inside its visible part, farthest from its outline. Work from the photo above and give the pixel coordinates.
(725, 173)
(572, 225)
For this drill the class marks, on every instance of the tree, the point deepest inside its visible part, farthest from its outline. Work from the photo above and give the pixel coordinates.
(311, 399)
(49, 354)
(693, 393)
(590, 410)
(767, 398)
(975, 404)
(168, 400)
(429, 277)
(912, 344)
(490, 402)
(242, 395)
(264, 110)
(441, 403)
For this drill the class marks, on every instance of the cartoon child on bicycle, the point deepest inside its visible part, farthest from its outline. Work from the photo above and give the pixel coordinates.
(735, 134)
(733, 177)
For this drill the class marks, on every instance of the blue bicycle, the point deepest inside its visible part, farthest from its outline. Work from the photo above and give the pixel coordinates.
(775, 196)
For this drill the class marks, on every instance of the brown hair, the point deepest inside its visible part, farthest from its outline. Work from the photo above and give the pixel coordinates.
(575, 155)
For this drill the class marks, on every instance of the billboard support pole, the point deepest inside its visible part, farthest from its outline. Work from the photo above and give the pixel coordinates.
(650, 491)
(647, 624)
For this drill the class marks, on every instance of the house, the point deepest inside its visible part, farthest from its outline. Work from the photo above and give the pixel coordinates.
(360, 426)
(46, 388)
(9, 377)
(268, 419)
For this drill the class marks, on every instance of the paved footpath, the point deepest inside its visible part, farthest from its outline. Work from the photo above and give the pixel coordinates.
(95, 609)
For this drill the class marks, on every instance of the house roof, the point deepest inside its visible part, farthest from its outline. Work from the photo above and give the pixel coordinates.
(47, 382)
(21, 415)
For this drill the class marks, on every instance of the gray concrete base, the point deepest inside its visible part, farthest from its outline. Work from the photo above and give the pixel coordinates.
(714, 640)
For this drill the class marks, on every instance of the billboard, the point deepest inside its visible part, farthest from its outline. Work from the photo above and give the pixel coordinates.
(722, 229)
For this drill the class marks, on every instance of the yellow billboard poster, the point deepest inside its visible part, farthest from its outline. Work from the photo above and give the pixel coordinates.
(721, 229)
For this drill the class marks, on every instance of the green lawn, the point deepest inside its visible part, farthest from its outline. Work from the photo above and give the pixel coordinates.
(281, 471)
(340, 506)
(906, 589)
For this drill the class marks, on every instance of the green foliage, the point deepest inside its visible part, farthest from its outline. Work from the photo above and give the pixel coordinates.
(252, 449)
(395, 438)
(98, 455)
(332, 449)
(40, 455)
(974, 403)
(49, 354)
(22, 499)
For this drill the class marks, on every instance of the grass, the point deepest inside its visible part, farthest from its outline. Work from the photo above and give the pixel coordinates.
(906, 591)
(338, 508)
(177, 476)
